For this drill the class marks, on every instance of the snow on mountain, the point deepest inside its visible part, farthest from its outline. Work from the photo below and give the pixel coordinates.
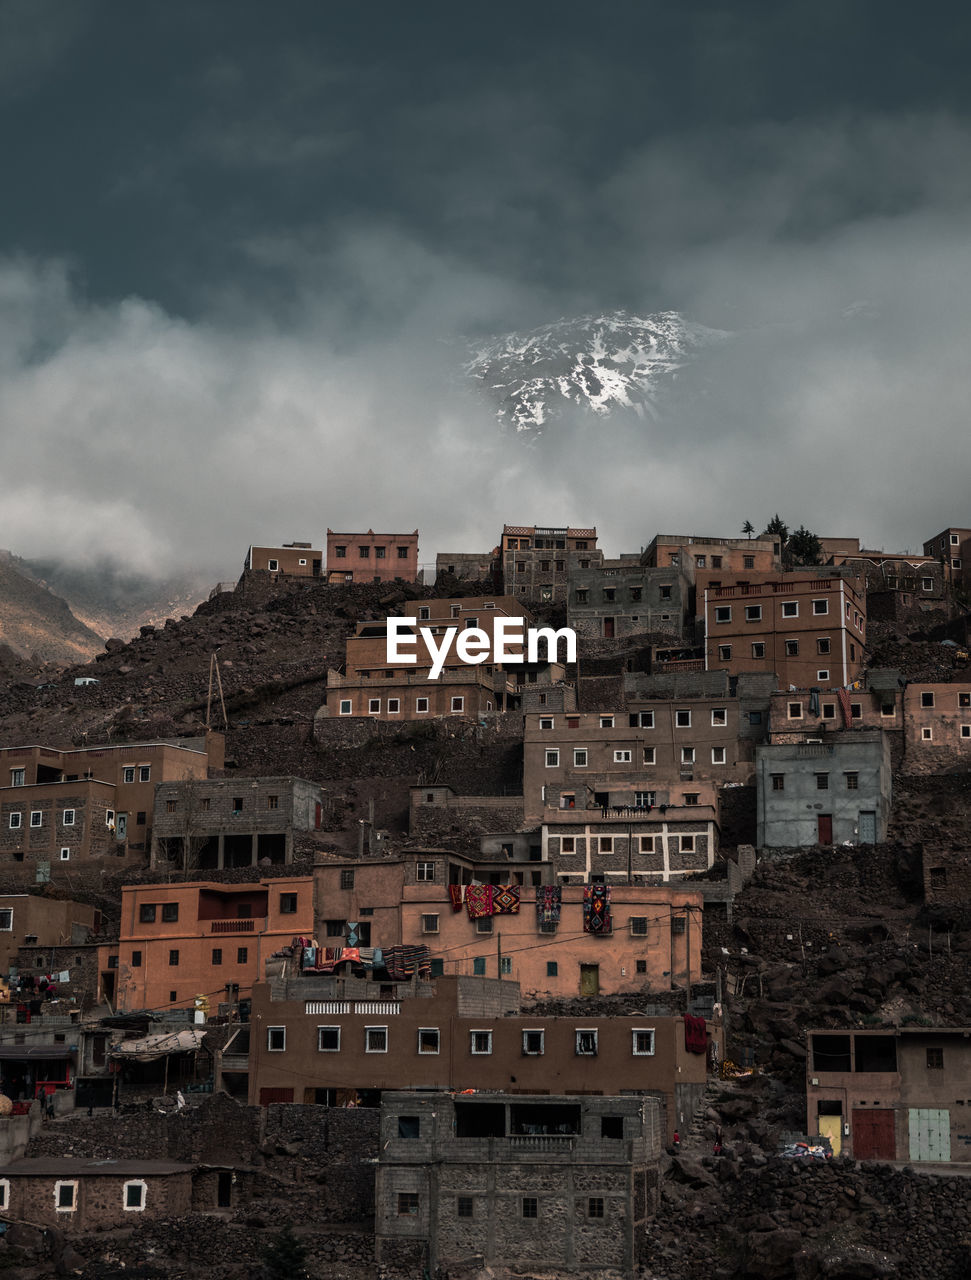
(601, 364)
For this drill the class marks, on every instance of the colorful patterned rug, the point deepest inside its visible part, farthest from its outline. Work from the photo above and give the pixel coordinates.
(455, 893)
(596, 908)
(505, 900)
(549, 898)
(478, 900)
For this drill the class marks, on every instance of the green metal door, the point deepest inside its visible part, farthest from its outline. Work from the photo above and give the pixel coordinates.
(930, 1134)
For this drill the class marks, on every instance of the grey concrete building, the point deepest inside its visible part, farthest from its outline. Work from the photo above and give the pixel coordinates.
(559, 1182)
(623, 597)
(210, 824)
(832, 791)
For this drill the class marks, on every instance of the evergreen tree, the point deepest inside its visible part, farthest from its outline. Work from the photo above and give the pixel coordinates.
(803, 548)
(778, 528)
(285, 1257)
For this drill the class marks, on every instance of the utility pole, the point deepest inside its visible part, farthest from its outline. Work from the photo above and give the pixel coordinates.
(499, 953)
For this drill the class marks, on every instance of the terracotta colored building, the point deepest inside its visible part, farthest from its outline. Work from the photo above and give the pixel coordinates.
(892, 1094)
(27, 919)
(802, 713)
(937, 727)
(179, 941)
(370, 685)
(951, 548)
(654, 938)
(721, 555)
(63, 806)
(809, 630)
(537, 560)
(291, 560)
(327, 1039)
(372, 557)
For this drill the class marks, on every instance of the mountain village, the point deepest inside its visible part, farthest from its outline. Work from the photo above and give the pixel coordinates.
(469, 959)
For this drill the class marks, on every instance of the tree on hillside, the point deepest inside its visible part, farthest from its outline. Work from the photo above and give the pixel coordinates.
(748, 528)
(802, 548)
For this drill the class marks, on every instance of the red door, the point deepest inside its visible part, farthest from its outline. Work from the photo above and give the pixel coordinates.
(824, 828)
(608, 628)
(872, 1134)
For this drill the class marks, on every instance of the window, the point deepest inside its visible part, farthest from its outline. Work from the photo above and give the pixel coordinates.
(687, 755)
(429, 924)
(429, 1040)
(242, 955)
(174, 956)
(65, 1196)
(217, 955)
(790, 609)
(464, 1207)
(328, 1039)
(606, 722)
(335, 928)
(822, 644)
(421, 704)
(532, 1043)
(700, 562)
(530, 1207)
(36, 818)
(792, 648)
(966, 730)
(288, 904)
(144, 773)
(887, 709)
(375, 1039)
(272, 802)
(927, 699)
(6, 919)
(402, 553)
(723, 613)
(820, 606)
(753, 613)
(643, 719)
(546, 722)
(483, 924)
(856, 710)
(638, 926)
(778, 781)
(408, 1204)
(719, 716)
(691, 798)
(822, 781)
(829, 710)
(568, 844)
(595, 1207)
(16, 821)
(552, 969)
(136, 959)
(128, 773)
(374, 706)
(146, 913)
(758, 649)
(649, 755)
(643, 1042)
(678, 925)
(748, 562)
(276, 1039)
(927, 734)
(645, 799)
(955, 540)
(458, 704)
(666, 595)
(479, 966)
(852, 781)
(364, 553)
(273, 565)
(347, 878)
(647, 844)
(17, 777)
(480, 1042)
(935, 1059)
(682, 719)
(580, 758)
(425, 872)
(605, 844)
(822, 674)
(340, 553)
(552, 759)
(345, 707)
(622, 757)
(718, 755)
(586, 1044)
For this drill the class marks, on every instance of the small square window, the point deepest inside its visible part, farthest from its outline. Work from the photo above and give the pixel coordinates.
(758, 649)
(421, 705)
(822, 781)
(719, 716)
(458, 704)
(530, 1207)
(723, 613)
(682, 719)
(65, 1196)
(966, 730)
(552, 759)
(606, 722)
(346, 707)
(586, 1044)
(790, 609)
(687, 755)
(170, 912)
(242, 955)
(464, 1207)
(820, 606)
(429, 923)
(328, 1039)
(146, 913)
(425, 872)
(852, 781)
(532, 1043)
(546, 722)
(288, 904)
(829, 710)
(374, 706)
(638, 926)
(483, 924)
(276, 1039)
(36, 818)
(724, 653)
(480, 1042)
(650, 755)
(643, 1042)
(375, 1039)
(479, 966)
(429, 1040)
(822, 675)
(718, 755)
(408, 1204)
(605, 844)
(935, 1059)
(347, 878)
(792, 648)
(795, 710)
(778, 781)
(823, 644)
(595, 1207)
(753, 613)
(927, 699)
(927, 734)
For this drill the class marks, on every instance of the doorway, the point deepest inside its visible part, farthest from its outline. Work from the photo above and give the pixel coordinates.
(590, 980)
(824, 828)
(224, 1189)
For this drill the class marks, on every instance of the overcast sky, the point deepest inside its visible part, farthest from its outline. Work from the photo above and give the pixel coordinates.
(241, 245)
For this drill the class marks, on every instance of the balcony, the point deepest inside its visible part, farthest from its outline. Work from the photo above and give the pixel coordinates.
(234, 926)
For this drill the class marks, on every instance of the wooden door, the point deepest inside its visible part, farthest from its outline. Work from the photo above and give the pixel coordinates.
(590, 979)
(824, 828)
(873, 1136)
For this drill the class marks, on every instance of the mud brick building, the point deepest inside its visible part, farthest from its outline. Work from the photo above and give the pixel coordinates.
(696, 556)
(94, 1195)
(899, 1094)
(654, 938)
(947, 875)
(291, 560)
(537, 561)
(69, 806)
(937, 727)
(800, 714)
(471, 566)
(27, 919)
(552, 1181)
(372, 557)
(837, 791)
(623, 597)
(320, 1039)
(951, 548)
(809, 630)
(237, 822)
(179, 941)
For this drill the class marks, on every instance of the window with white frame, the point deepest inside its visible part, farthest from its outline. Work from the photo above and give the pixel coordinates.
(547, 722)
(758, 649)
(586, 1042)
(719, 716)
(345, 708)
(18, 777)
(532, 1044)
(328, 1039)
(65, 854)
(642, 1042)
(134, 1195)
(429, 1040)
(16, 821)
(4, 1194)
(425, 871)
(144, 773)
(790, 608)
(682, 719)
(724, 653)
(687, 755)
(579, 757)
(795, 711)
(927, 699)
(276, 1039)
(421, 704)
(6, 919)
(65, 1196)
(687, 844)
(552, 759)
(647, 844)
(375, 1039)
(429, 923)
(458, 704)
(622, 757)
(927, 734)
(480, 1043)
(606, 722)
(394, 706)
(723, 613)
(67, 818)
(568, 844)
(605, 844)
(36, 818)
(718, 755)
(822, 674)
(927, 584)
(638, 926)
(820, 606)
(128, 773)
(643, 719)
(645, 799)
(374, 706)
(650, 754)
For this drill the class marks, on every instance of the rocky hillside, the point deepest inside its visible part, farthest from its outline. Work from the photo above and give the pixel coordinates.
(36, 623)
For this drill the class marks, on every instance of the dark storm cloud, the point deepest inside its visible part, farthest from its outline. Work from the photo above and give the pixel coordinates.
(242, 246)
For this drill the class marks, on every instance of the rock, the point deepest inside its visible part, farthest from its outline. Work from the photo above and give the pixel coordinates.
(768, 1255)
(114, 644)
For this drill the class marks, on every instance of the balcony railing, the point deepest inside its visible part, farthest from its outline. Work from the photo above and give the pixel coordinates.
(233, 926)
